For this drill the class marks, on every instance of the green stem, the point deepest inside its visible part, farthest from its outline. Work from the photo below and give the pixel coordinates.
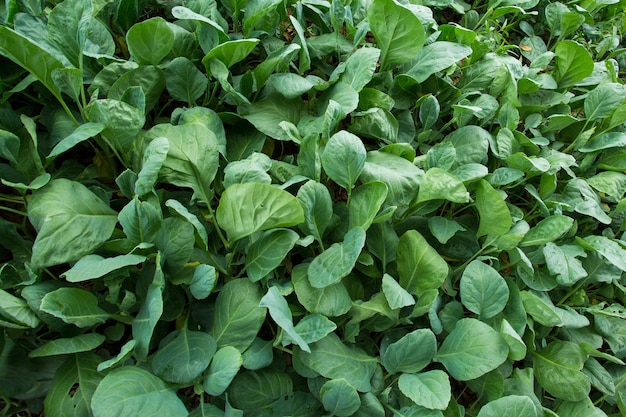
(217, 226)
(10, 210)
(474, 256)
(573, 291)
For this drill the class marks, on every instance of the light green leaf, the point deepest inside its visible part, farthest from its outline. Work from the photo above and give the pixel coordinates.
(603, 100)
(443, 229)
(280, 313)
(290, 85)
(259, 355)
(438, 184)
(231, 52)
(471, 350)
(401, 176)
(133, 391)
(483, 290)
(150, 312)
(495, 218)
(365, 202)
(122, 122)
(399, 33)
(343, 158)
(396, 296)
(318, 209)
(184, 81)
(153, 159)
(332, 301)
(517, 347)
(340, 398)
(584, 408)
(268, 252)
(175, 241)
(183, 356)
(193, 156)
(558, 369)
(251, 207)
(64, 346)
(337, 261)
(180, 211)
(427, 389)
(67, 232)
(74, 306)
(514, 405)
(203, 281)
(73, 387)
(608, 182)
(331, 358)
(562, 262)
(278, 57)
(420, 267)
(256, 11)
(95, 266)
(150, 41)
(314, 327)
(238, 317)
(80, 134)
(605, 141)
(542, 312)
(125, 352)
(224, 366)
(17, 310)
(360, 68)
(573, 63)
(471, 144)
(253, 390)
(140, 220)
(411, 353)
(436, 57)
(609, 249)
(547, 230)
(266, 115)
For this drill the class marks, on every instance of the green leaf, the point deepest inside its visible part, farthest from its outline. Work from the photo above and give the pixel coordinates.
(95, 266)
(427, 389)
(331, 358)
(420, 267)
(401, 177)
(573, 63)
(224, 366)
(333, 300)
(67, 232)
(140, 220)
(542, 312)
(558, 370)
(184, 81)
(266, 115)
(141, 87)
(609, 249)
(125, 352)
(411, 353)
(290, 85)
(360, 68)
(184, 356)
(495, 218)
(268, 252)
(365, 202)
(314, 327)
(436, 57)
(443, 229)
(64, 346)
(175, 241)
(562, 262)
(339, 397)
(150, 312)
(73, 387)
(193, 156)
(280, 313)
(438, 184)
(179, 211)
(483, 290)
(608, 182)
(252, 207)
(471, 350)
(256, 11)
(343, 158)
(231, 52)
(253, 390)
(237, 317)
(603, 100)
(133, 391)
(517, 405)
(278, 57)
(399, 33)
(150, 41)
(471, 144)
(337, 261)
(396, 296)
(80, 134)
(17, 310)
(547, 230)
(318, 209)
(74, 306)
(584, 408)
(122, 122)
(203, 281)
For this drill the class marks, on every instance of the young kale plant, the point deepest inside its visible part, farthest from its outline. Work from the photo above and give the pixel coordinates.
(305, 208)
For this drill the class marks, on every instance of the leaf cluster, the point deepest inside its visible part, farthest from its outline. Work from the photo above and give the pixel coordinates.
(303, 208)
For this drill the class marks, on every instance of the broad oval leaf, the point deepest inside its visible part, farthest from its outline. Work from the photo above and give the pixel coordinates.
(411, 353)
(150, 41)
(332, 301)
(399, 33)
(318, 208)
(420, 267)
(483, 290)
(267, 252)
(430, 389)
(471, 350)
(252, 207)
(336, 262)
(224, 366)
(343, 158)
(74, 306)
(573, 63)
(130, 391)
(401, 176)
(436, 57)
(340, 398)
(238, 317)
(95, 266)
(396, 296)
(558, 369)
(280, 313)
(438, 184)
(231, 52)
(253, 390)
(547, 230)
(65, 346)
(514, 405)
(184, 356)
(495, 218)
(67, 232)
